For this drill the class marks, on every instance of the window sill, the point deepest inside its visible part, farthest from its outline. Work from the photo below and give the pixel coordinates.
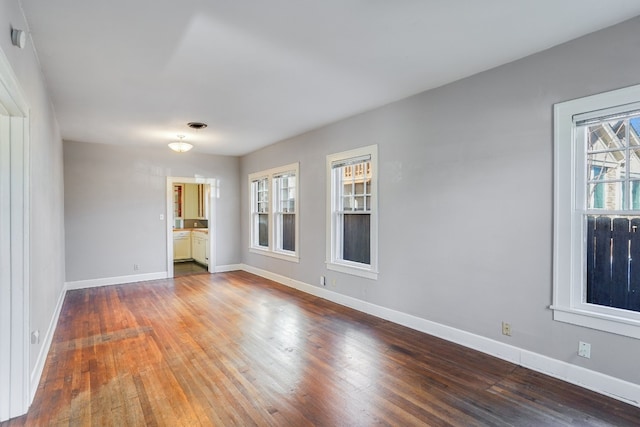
(353, 270)
(603, 322)
(278, 255)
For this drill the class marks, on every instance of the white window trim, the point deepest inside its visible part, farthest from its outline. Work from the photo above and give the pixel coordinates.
(568, 246)
(332, 262)
(271, 250)
(254, 178)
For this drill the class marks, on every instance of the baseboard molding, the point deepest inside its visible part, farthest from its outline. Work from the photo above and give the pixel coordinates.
(230, 267)
(36, 373)
(118, 280)
(595, 381)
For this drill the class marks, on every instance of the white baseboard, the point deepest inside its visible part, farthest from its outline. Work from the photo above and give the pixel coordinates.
(118, 280)
(604, 384)
(230, 267)
(38, 368)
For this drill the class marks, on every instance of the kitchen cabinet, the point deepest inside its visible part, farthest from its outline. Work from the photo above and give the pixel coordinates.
(178, 201)
(199, 246)
(181, 245)
(189, 201)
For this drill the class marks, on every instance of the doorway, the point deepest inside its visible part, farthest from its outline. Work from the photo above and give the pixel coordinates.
(191, 232)
(15, 393)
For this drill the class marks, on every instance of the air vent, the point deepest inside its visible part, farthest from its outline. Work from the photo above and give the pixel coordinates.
(197, 125)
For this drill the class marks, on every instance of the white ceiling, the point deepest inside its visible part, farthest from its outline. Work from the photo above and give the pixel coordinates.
(135, 72)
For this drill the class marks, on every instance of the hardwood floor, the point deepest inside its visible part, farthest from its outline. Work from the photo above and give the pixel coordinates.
(235, 349)
(188, 267)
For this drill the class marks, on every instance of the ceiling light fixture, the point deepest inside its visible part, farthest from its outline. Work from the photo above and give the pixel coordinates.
(180, 146)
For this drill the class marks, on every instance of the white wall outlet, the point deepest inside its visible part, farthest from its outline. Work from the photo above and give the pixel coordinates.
(35, 337)
(161, 217)
(584, 350)
(506, 329)
(323, 281)
(136, 267)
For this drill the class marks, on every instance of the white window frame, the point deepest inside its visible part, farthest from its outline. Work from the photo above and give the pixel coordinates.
(570, 177)
(274, 249)
(279, 213)
(334, 233)
(256, 212)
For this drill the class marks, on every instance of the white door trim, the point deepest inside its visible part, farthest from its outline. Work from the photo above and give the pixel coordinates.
(14, 245)
(212, 195)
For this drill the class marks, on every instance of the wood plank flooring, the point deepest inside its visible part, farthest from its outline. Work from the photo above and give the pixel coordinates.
(233, 349)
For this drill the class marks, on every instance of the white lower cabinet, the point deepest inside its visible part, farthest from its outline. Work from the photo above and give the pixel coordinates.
(199, 244)
(181, 245)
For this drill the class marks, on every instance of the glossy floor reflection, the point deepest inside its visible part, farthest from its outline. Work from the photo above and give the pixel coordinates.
(234, 349)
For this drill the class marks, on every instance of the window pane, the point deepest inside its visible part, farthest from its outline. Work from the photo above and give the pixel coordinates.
(596, 196)
(286, 192)
(635, 195)
(289, 232)
(613, 279)
(356, 243)
(347, 203)
(604, 166)
(606, 135)
(263, 230)
(609, 196)
(634, 163)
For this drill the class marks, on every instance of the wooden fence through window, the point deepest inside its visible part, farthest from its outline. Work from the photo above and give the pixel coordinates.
(613, 262)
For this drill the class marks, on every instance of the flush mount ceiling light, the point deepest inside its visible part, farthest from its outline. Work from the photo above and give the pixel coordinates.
(180, 146)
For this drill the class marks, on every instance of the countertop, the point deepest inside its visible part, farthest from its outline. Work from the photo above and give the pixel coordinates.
(201, 230)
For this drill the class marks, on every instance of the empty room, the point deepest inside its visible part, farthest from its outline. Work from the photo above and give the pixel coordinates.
(329, 213)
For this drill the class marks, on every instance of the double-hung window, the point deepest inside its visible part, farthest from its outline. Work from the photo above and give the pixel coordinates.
(260, 212)
(285, 191)
(274, 218)
(352, 214)
(597, 212)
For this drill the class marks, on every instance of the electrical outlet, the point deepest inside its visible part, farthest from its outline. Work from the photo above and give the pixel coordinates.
(323, 281)
(506, 329)
(584, 350)
(136, 267)
(35, 337)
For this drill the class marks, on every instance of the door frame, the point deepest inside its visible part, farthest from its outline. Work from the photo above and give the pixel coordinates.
(15, 395)
(211, 192)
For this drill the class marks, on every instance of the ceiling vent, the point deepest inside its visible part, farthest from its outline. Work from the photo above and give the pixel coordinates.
(197, 125)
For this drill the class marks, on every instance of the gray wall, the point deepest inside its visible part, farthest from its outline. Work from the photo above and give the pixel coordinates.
(114, 196)
(465, 191)
(46, 179)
